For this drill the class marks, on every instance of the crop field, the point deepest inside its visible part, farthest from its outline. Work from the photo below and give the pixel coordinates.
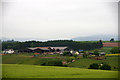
(35, 71)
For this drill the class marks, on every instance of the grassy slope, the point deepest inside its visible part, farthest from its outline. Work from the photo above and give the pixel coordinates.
(106, 49)
(23, 59)
(84, 63)
(35, 71)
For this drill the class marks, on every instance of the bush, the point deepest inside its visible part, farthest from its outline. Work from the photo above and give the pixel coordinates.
(85, 55)
(43, 64)
(96, 52)
(52, 63)
(67, 53)
(105, 67)
(75, 55)
(69, 60)
(94, 66)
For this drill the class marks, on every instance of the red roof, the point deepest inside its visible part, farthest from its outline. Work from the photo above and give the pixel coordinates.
(112, 44)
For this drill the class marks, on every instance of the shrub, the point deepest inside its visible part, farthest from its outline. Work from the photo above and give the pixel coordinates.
(105, 67)
(69, 60)
(75, 55)
(85, 55)
(94, 66)
(96, 52)
(67, 53)
(43, 64)
(52, 63)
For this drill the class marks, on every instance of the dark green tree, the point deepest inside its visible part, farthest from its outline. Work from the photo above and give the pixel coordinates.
(94, 66)
(67, 53)
(112, 40)
(105, 67)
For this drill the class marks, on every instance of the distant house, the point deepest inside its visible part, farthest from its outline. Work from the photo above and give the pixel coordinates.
(110, 44)
(102, 53)
(74, 52)
(80, 50)
(8, 51)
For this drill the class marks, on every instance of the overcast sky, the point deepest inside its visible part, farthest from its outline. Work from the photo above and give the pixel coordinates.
(58, 19)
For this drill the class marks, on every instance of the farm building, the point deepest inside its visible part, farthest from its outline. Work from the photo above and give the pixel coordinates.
(110, 44)
(38, 50)
(44, 49)
(8, 51)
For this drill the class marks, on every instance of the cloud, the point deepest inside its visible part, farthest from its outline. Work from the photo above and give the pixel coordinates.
(58, 18)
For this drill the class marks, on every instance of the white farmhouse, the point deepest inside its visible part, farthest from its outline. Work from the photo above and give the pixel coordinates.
(8, 51)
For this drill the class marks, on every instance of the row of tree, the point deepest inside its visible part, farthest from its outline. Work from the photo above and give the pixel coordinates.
(69, 43)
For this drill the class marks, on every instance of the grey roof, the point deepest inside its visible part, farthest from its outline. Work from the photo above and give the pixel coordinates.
(43, 48)
(61, 48)
(32, 48)
(38, 48)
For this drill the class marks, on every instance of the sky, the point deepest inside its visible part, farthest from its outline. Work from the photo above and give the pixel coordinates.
(58, 19)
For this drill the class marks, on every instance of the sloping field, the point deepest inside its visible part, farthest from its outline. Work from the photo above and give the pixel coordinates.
(36, 71)
(84, 62)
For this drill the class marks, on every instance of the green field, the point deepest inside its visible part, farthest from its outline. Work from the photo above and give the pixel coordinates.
(80, 63)
(35, 71)
(106, 49)
(84, 63)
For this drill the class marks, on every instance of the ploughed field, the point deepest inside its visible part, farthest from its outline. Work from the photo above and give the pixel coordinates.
(36, 71)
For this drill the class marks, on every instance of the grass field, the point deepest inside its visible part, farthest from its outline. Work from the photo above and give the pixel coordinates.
(35, 71)
(106, 49)
(84, 63)
(80, 63)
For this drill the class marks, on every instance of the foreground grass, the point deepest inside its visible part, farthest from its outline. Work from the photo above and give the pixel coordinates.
(36, 71)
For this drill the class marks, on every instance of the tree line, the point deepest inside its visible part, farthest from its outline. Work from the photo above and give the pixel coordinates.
(88, 45)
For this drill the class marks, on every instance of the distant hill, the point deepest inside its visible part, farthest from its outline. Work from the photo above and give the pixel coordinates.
(21, 39)
(96, 38)
(87, 38)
